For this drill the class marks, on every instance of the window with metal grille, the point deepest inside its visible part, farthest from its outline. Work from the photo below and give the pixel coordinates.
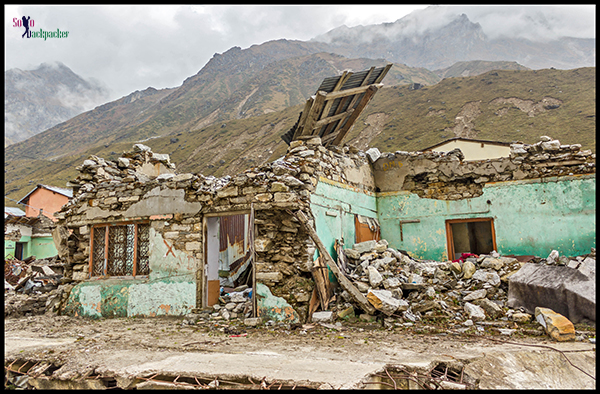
(120, 249)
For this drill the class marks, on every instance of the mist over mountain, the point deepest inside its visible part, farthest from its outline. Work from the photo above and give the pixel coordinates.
(36, 100)
(436, 38)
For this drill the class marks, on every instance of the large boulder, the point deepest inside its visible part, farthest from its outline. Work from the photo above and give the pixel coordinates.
(566, 290)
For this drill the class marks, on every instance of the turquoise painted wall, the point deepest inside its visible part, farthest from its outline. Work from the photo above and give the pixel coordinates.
(333, 206)
(170, 289)
(42, 247)
(530, 217)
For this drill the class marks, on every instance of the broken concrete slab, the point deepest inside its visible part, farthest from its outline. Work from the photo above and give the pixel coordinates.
(556, 325)
(565, 290)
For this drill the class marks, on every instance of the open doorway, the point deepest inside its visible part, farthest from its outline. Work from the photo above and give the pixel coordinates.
(470, 236)
(229, 255)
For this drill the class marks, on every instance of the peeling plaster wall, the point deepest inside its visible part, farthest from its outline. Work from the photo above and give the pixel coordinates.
(170, 289)
(531, 217)
(334, 205)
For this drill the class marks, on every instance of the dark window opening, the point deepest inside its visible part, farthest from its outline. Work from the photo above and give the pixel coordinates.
(475, 236)
(120, 250)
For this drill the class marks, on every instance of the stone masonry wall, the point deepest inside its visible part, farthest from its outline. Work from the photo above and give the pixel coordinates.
(445, 176)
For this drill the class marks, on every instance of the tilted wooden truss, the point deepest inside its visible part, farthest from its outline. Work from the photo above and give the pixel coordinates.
(332, 111)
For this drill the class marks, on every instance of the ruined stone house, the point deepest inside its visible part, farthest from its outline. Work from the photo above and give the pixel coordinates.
(141, 239)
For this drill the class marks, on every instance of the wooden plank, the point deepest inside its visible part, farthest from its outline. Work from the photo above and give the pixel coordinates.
(384, 73)
(320, 281)
(333, 118)
(344, 282)
(314, 113)
(357, 111)
(342, 259)
(337, 87)
(302, 119)
(313, 304)
(350, 92)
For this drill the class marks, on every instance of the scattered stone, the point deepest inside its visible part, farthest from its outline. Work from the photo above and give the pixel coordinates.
(475, 312)
(520, 317)
(475, 295)
(322, 317)
(556, 325)
(383, 301)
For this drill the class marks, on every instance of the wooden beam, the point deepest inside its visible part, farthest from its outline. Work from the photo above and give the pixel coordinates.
(314, 113)
(303, 116)
(357, 111)
(350, 92)
(331, 119)
(337, 87)
(320, 276)
(346, 284)
(384, 73)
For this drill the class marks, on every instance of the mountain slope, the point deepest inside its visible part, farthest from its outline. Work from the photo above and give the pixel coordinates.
(39, 99)
(454, 40)
(498, 105)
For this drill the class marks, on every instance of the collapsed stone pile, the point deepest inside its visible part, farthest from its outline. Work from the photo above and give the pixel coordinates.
(31, 287)
(405, 290)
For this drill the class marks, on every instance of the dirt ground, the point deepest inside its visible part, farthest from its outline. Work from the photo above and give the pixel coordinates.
(63, 339)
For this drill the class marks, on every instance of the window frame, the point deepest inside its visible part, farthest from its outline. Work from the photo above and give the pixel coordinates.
(106, 228)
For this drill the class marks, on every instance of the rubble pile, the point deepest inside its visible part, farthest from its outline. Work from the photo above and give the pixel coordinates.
(233, 304)
(465, 292)
(31, 287)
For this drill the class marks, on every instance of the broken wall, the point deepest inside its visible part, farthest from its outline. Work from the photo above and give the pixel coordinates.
(540, 198)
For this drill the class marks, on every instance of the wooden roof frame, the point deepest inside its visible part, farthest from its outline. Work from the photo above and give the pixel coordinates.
(332, 111)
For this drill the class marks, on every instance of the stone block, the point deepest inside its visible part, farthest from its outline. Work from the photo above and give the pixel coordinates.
(269, 276)
(567, 291)
(364, 246)
(468, 269)
(475, 295)
(487, 276)
(383, 301)
(375, 277)
(492, 309)
(195, 245)
(556, 325)
(322, 317)
(231, 191)
(252, 321)
(520, 317)
(279, 187)
(475, 312)
(284, 197)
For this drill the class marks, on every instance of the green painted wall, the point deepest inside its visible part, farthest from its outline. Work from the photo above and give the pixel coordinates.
(170, 289)
(334, 205)
(530, 217)
(42, 247)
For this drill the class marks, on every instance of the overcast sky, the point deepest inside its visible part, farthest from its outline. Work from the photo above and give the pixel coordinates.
(130, 48)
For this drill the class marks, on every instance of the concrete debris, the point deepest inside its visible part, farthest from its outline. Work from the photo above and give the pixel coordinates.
(556, 325)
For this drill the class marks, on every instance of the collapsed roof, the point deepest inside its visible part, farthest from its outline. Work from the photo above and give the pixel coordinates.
(331, 112)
